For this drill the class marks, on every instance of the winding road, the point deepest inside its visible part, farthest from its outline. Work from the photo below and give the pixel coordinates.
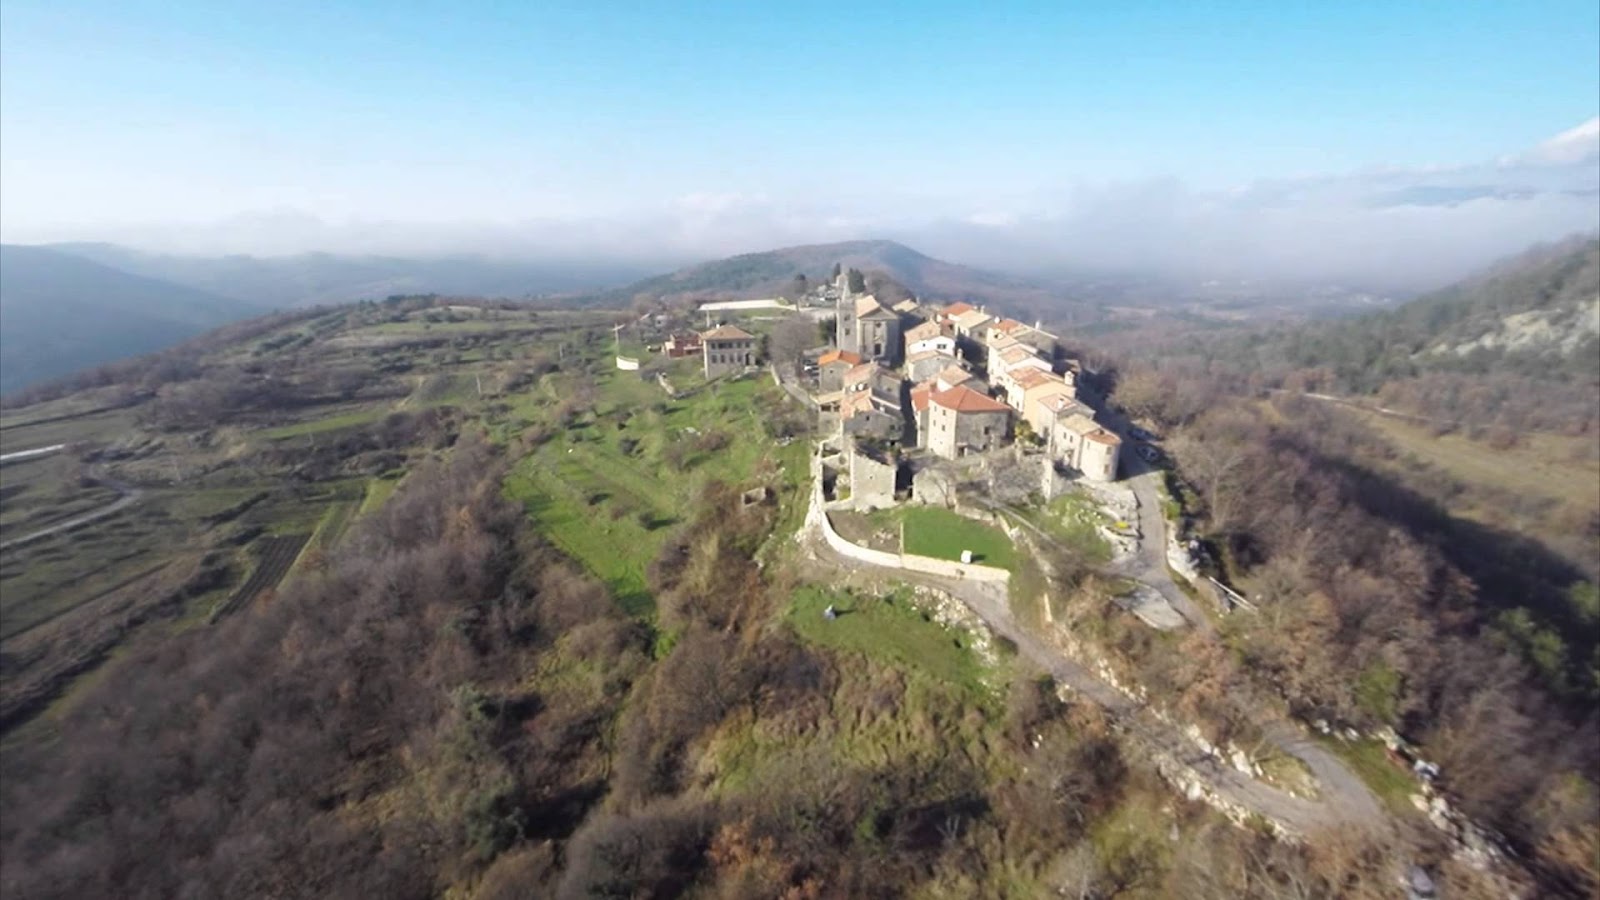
(1343, 798)
(130, 496)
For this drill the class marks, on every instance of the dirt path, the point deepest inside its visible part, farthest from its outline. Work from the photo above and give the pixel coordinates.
(1343, 799)
(130, 496)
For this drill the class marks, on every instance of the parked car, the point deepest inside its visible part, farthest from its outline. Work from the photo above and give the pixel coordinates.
(1139, 434)
(1149, 453)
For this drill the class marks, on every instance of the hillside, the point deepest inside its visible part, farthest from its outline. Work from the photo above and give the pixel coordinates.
(437, 600)
(325, 278)
(1537, 314)
(60, 313)
(771, 272)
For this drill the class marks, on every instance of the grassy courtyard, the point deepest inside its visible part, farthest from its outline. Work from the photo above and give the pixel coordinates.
(942, 534)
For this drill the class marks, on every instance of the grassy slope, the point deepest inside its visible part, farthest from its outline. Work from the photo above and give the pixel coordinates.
(609, 505)
(1543, 465)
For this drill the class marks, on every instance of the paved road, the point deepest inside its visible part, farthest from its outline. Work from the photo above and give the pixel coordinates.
(21, 455)
(130, 496)
(1149, 565)
(1343, 799)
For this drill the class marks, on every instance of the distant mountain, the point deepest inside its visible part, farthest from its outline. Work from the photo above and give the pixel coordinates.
(60, 313)
(322, 278)
(769, 273)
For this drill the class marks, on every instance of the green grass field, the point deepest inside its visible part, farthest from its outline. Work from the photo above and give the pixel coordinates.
(891, 630)
(350, 419)
(606, 490)
(942, 534)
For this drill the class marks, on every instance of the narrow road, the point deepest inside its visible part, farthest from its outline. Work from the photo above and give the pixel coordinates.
(1149, 565)
(1343, 798)
(20, 455)
(130, 496)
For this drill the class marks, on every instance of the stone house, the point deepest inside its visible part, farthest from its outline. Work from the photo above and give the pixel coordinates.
(1035, 394)
(831, 367)
(949, 314)
(869, 403)
(1082, 444)
(727, 349)
(873, 475)
(1015, 382)
(974, 325)
(680, 345)
(962, 421)
(930, 336)
(877, 331)
(951, 376)
(925, 364)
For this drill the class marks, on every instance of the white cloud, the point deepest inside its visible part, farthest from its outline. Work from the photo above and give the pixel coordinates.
(1385, 227)
(1571, 147)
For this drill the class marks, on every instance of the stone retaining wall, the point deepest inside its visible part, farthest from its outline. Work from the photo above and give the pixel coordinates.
(627, 364)
(909, 561)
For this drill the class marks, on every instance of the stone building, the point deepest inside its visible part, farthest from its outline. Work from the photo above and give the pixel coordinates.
(873, 474)
(925, 364)
(831, 367)
(1082, 444)
(877, 331)
(727, 349)
(961, 421)
(930, 336)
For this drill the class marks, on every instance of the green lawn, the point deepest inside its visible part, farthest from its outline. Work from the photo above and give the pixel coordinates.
(319, 426)
(890, 630)
(378, 491)
(942, 534)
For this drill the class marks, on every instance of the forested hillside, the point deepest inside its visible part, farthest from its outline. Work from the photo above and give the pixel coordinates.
(1433, 571)
(1518, 347)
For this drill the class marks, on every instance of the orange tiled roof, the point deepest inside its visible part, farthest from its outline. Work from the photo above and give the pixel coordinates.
(832, 356)
(966, 400)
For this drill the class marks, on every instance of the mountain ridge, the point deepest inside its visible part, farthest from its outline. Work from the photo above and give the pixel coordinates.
(62, 313)
(771, 272)
(311, 279)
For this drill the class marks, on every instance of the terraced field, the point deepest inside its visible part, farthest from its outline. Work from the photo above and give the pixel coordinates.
(276, 554)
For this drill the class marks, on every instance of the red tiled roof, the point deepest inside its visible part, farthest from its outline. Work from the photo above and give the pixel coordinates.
(966, 400)
(831, 356)
(956, 309)
(1007, 325)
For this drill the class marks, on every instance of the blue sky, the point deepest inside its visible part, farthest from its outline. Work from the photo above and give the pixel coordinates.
(114, 115)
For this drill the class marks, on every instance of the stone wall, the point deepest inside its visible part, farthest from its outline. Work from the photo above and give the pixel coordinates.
(908, 561)
(627, 363)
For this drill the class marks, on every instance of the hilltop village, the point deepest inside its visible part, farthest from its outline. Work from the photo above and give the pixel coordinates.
(911, 396)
